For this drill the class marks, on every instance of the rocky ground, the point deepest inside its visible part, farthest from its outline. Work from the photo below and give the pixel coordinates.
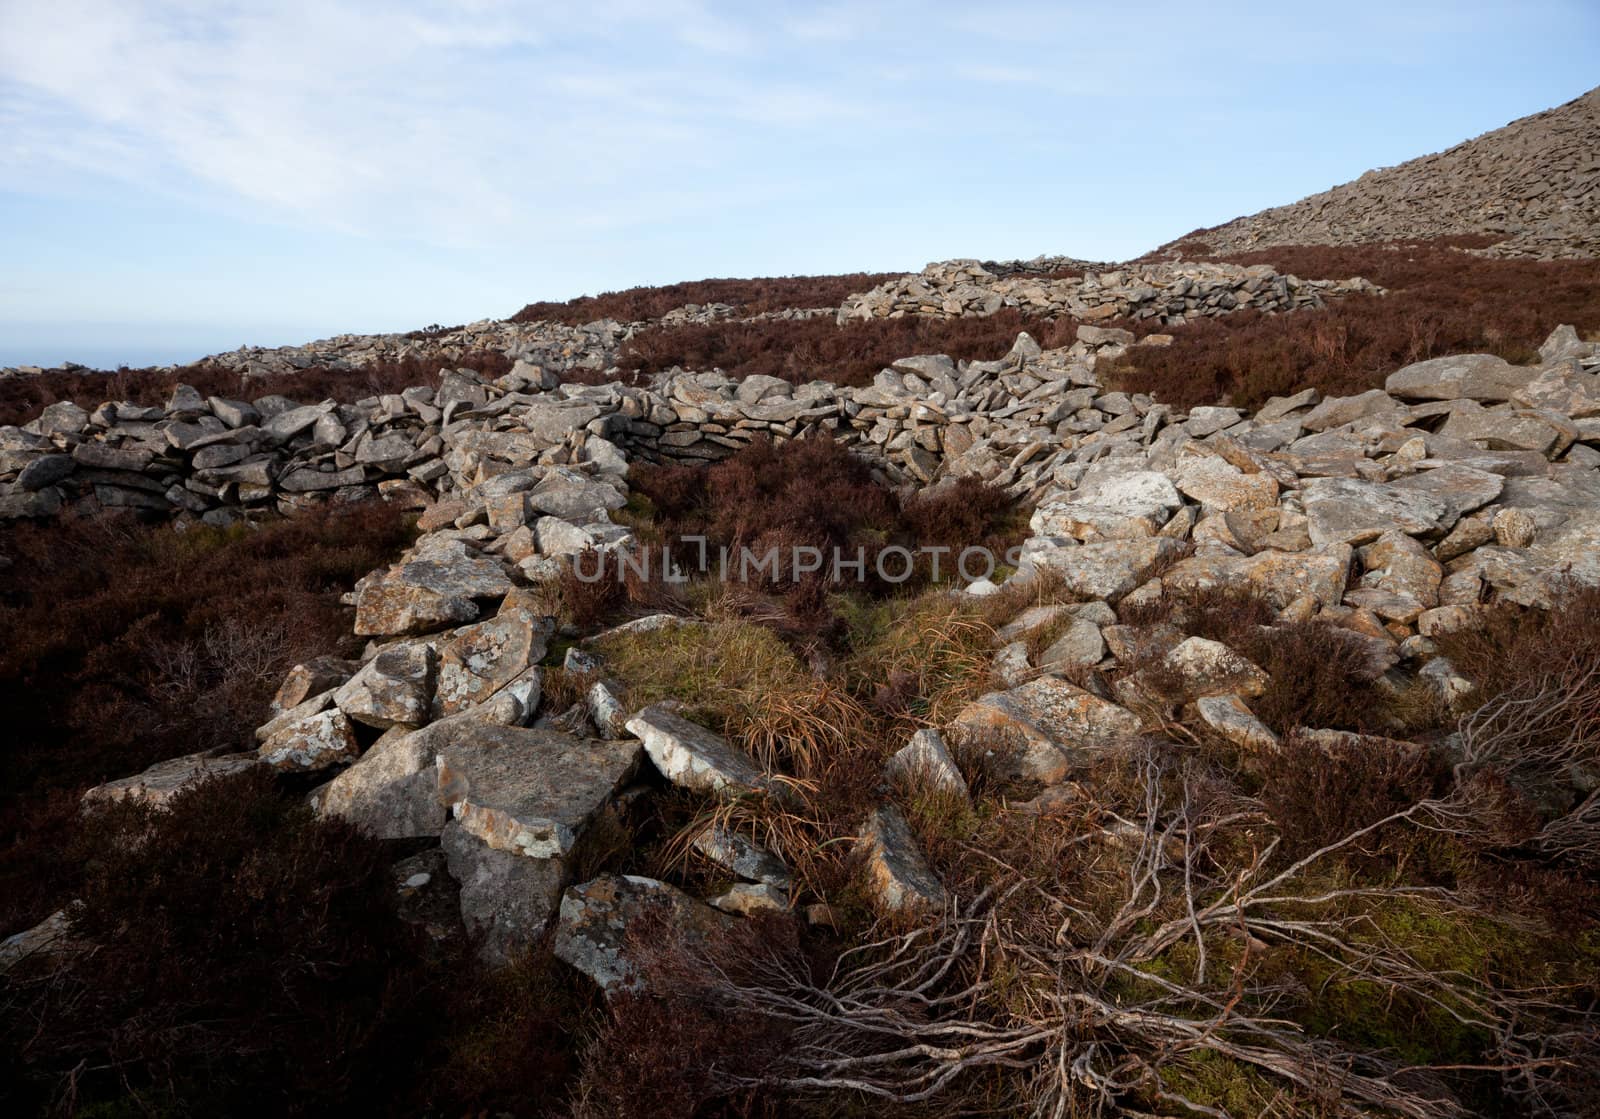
(1531, 189)
(1390, 518)
(1249, 768)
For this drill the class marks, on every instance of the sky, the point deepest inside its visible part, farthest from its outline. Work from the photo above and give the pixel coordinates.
(179, 177)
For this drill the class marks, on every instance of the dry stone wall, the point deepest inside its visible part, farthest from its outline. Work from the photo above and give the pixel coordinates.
(1171, 293)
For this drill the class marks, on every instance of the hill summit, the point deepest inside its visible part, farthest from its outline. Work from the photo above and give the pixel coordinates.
(1530, 189)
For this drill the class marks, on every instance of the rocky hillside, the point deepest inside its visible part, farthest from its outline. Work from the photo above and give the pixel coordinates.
(1529, 189)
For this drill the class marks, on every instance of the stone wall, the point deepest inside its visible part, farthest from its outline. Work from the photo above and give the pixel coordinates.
(1167, 293)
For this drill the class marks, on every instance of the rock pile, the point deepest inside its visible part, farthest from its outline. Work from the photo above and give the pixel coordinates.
(1392, 515)
(1534, 185)
(1166, 293)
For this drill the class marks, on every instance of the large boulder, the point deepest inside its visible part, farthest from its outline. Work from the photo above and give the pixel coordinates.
(1481, 377)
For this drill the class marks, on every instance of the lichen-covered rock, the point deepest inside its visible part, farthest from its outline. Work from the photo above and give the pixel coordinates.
(439, 586)
(481, 659)
(394, 688)
(1048, 726)
(1108, 570)
(164, 780)
(693, 757)
(317, 742)
(925, 762)
(530, 791)
(897, 876)
(592, 933)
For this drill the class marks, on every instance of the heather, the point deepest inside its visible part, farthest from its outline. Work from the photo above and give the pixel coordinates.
(1440, 300)
(747, 297)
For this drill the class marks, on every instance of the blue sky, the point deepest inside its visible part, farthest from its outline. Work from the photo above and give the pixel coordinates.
(182, 177)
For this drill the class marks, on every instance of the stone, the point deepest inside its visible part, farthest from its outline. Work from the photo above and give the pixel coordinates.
(530, 791)
(392, 792)
(1081, 646)
(394, 688)
(1232, 718)
(164, 780)
(1543, 432)
(1513, 528)
(1219, 485)
(316, 742)
(742, 856)
(1482, 377)
(436, 588)
(1461, 489)
(312, 678)
(692, 757)
(1278, 577)
(1011, 665)
(50, 939)
(1353, 511)
(747, 898)
(897, 876)
(1048, 726)
(592, 931)
(46, 470)
(574, 498)
(483, 658)
(1337, 411)
(1209, 668)
(1397, 563)
(1109, 570)
(507, 900)
(925, 762)
(557, 537)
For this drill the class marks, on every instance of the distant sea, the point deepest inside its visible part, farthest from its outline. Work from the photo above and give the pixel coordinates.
(102, 357)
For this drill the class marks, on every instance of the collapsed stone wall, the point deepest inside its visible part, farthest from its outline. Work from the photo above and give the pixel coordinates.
(1169, 293)
(1392, 516)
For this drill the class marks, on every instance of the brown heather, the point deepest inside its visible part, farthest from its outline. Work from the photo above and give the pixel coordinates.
(23, 397)
(818, 349)
(1441, 300)
(748, 297)
(128, 644)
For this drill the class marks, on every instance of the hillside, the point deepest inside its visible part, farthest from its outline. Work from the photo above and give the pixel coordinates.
(1529, 189)
(1037, 687)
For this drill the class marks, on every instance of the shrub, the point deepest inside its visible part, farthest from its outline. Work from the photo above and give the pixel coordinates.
(1440, 301)
(129, 644)
(23, 397)
(818, 349)
(749, 297)
(247, 961)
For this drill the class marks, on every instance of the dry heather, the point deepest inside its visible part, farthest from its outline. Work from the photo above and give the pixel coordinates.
(1441, 301)
(747, 297)
(23, 397)
(817, 349)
